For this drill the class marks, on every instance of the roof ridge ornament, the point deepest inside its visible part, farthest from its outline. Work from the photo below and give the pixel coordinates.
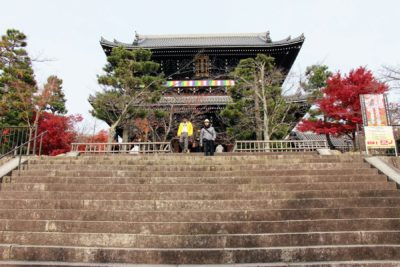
(137, 38)
(268, 37)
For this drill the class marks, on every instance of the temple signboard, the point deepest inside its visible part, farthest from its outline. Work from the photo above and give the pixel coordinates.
(377, 129)
(374, 110)
(379, 137)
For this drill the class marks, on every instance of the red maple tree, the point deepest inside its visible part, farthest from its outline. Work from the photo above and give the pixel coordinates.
(338, 110)
(60, 132)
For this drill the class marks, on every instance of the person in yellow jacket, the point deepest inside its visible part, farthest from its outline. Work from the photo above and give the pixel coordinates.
(185, 131)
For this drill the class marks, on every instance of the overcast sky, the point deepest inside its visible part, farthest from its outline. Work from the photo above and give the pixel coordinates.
(342, 34)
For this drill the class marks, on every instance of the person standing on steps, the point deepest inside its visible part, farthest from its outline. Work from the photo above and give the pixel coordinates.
(207, 137)
(185, 131)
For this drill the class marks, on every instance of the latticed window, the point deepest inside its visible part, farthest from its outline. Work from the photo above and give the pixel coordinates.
(202, 66)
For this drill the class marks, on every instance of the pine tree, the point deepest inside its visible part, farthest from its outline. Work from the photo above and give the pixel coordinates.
(131, 81)
(316, 77)
(17, 81)
(56, 102)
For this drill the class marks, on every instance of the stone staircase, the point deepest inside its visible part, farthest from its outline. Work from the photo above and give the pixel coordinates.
(190, 209)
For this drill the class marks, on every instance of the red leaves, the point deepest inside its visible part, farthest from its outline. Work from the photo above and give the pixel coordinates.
(60, 132)
(340, 104)
(100, 137)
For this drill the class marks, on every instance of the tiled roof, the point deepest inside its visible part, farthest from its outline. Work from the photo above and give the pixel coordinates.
(212, 40)
(340, 142)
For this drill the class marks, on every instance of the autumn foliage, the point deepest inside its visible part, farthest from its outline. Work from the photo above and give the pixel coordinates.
(339, 107)
(100, 137)
(60, 132)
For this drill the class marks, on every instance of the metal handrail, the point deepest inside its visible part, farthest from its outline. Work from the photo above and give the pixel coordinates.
(11, 136)
(13, 151)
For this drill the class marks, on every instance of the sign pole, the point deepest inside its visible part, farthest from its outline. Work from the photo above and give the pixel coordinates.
(365, 121)
(389, 115)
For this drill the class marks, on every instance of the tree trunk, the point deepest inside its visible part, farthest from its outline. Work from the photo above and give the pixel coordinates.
(329, 140)
(111, 135)
(257, 114)
(265, 106)
(125, 134)
(29, 139)
(353, 138)
(35, 127)
(265, 121)
(125, 137)
(168, 129)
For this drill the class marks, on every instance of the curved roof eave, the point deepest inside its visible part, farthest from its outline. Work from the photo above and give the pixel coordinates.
(285, 42)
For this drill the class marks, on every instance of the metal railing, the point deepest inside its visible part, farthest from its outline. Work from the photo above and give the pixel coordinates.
(279, 145)
(121, 148)
(13, 136)
(23, 149)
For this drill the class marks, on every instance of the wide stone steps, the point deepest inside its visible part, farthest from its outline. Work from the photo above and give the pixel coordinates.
(223, 195)
(190, 209)
(197, 187)
(202, 255)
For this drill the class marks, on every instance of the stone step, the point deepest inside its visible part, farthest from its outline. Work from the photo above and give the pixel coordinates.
(200, 180)
(277, 172)
(358, 263)
(197, 187)
(199, 164)
(201, 216)
(205, 205)
(225, 167)
(223, 195)
(200, 256)
(196, 160)
(199, 156)
(201, 228)
(222, 240)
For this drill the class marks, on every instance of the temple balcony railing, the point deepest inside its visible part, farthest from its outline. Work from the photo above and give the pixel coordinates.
(122, 148)
(255, 146)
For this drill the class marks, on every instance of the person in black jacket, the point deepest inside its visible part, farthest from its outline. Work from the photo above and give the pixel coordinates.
(207, 137)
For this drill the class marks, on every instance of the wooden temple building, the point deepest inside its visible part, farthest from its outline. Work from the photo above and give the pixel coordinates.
(197, 67)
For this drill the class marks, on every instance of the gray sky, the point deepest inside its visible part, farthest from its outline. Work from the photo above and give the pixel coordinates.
(342, 34)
